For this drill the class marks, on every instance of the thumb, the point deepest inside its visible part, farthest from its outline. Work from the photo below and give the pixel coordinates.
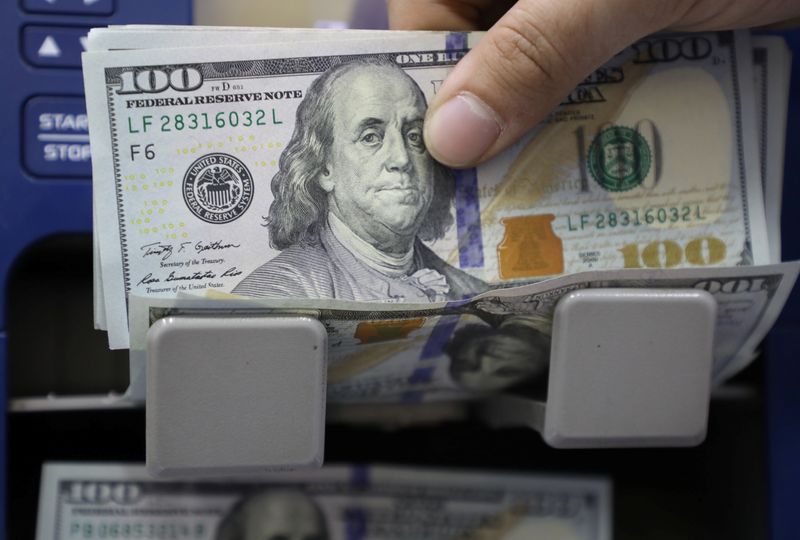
(524, 67)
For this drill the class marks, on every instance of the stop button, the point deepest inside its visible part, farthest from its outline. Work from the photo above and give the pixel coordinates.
(57, 137)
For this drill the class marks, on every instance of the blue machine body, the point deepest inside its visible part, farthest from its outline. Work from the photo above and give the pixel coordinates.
(783, 342)
(45, 186)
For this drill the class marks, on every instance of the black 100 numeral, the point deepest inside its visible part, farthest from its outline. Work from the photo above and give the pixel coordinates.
(153, 81)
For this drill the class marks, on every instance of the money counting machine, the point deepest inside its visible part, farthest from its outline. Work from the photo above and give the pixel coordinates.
(625, 382)
(269, 411)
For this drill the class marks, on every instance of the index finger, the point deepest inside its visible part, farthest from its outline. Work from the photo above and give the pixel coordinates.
(436, 14)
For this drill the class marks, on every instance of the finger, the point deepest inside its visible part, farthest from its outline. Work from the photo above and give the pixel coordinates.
(790, 23)
(711, 15)
(524, 66)
(783, 25)
(435, 14)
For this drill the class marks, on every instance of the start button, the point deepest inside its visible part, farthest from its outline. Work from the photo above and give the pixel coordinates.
(57, 137)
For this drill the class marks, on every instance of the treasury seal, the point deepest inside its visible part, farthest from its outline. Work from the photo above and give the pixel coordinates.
(619, 158)
(218, 188)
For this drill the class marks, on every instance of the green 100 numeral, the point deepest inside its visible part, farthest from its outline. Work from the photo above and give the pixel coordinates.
(703, 251)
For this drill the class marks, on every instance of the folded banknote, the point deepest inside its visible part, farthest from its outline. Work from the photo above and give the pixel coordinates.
(498, 341)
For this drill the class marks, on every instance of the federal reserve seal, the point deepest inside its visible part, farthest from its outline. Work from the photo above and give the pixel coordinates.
(218, 188)
(619, 158)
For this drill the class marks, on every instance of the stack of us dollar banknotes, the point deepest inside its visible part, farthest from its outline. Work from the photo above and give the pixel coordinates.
(276, 171)
(93, 501)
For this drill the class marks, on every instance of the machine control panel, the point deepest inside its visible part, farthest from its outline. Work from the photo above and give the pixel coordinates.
(54, 46)
(70, 7)
(56, 140)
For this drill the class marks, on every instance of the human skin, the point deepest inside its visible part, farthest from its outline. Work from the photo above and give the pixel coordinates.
(379, 175)
(537, 51)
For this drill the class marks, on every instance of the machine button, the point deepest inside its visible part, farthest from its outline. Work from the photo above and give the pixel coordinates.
(70, 7)
(56, 138)
(54, 46)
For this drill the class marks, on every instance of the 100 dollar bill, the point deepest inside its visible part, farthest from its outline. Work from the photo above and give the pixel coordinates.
(368, 503)
(275, 171)
(772, 64)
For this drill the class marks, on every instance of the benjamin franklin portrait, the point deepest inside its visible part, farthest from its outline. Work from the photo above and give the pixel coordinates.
(357, 195)
(488, 358)
(279, 514)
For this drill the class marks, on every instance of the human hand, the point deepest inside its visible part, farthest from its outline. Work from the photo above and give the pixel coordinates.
(537, 51)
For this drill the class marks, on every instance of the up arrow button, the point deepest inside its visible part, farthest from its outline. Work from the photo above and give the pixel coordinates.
(70, 7)
(54, 46)
(49, 48)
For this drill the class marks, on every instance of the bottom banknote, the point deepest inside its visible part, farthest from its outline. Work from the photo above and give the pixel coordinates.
(497, 341)
(335, 503)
